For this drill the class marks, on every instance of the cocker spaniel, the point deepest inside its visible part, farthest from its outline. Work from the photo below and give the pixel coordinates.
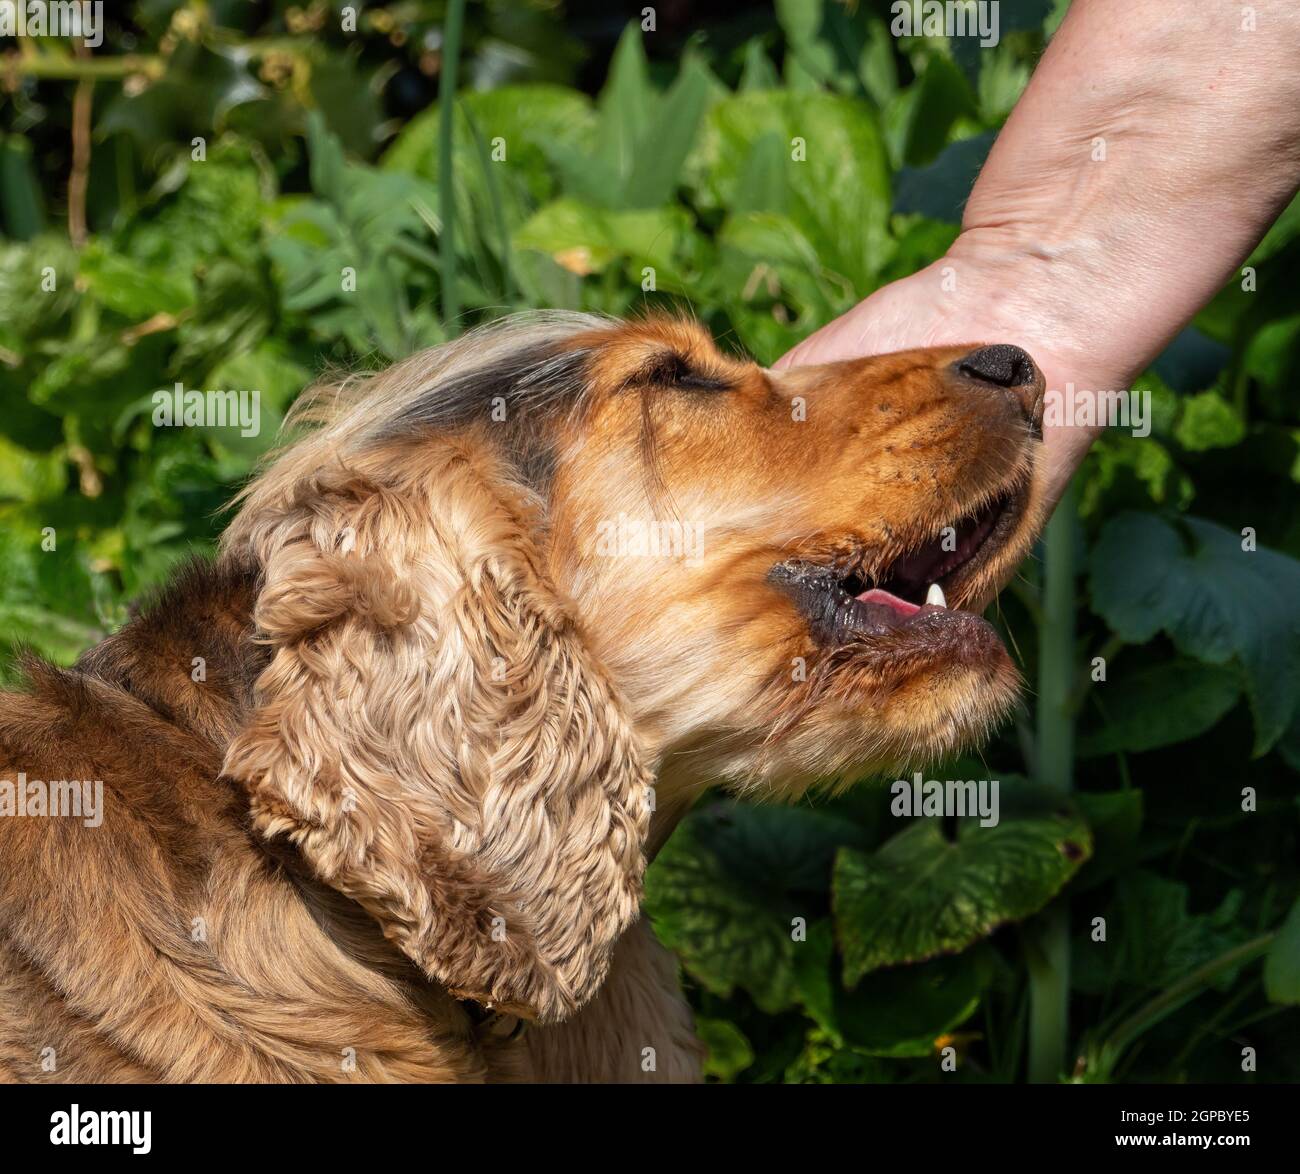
(379, 784)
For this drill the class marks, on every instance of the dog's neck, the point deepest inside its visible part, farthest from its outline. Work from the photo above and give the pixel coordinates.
(189, 653)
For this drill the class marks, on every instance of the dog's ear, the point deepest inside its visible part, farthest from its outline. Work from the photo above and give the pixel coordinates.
(432, 733)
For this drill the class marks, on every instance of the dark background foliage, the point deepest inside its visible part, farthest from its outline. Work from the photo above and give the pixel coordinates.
(179, 204)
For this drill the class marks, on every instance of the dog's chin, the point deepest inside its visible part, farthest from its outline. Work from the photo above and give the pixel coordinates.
(871, 717)
(902, 674)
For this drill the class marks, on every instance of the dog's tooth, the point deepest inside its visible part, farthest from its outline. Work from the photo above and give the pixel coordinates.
(935, 596)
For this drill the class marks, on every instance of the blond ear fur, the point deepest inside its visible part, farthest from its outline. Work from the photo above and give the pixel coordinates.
(431, 731)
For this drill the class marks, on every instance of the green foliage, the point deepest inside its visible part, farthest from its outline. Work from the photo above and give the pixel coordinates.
(921, 895)
(766, 182)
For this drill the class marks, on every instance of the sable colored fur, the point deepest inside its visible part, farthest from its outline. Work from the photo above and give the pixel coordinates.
(380, 783)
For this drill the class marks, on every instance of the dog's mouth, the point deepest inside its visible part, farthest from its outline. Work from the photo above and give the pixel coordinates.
(854, 596)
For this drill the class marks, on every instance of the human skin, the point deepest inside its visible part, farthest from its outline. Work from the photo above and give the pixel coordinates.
(1094, 264)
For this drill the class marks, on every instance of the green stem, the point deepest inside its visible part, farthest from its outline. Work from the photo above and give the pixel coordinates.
(1049, 964)
(446, 187)
(1170, 1000)
(51, 68)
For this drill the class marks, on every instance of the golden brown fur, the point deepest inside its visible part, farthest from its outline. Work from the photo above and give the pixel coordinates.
(406, 801)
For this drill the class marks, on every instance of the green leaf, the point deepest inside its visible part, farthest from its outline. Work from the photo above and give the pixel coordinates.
(1282, 966)
(1285, 230)
(586, 240)
(876, 67)
(29, 311)
(1216, 601)
(134, 290)
(1208, 421)
(47, 596)
(728, 1051)
(625, 104)
(28, 476)
(1159, 705)
(922, 895)
(21, 213)
(726, 889)
(762, 186)
(1152, 940)
(758, 72)
(661, 152)
(902, 1011)
(833, 166)
(923, 118)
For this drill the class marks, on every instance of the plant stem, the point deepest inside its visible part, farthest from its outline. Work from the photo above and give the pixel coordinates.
(1049, 966)
(446, 186)
(1170, 1000)
(49, 67)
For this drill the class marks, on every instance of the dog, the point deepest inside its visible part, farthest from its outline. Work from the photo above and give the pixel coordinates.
(379, 782)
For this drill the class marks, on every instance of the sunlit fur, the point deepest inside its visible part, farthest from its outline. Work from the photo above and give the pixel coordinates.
(457, 723)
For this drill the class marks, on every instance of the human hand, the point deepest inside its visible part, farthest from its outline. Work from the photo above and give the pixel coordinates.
(984, 291)
(1129, 183)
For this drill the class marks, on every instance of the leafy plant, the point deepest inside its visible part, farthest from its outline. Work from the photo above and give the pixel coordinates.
(1143, 924)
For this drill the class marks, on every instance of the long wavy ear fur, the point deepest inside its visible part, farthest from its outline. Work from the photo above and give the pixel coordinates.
(431, 732)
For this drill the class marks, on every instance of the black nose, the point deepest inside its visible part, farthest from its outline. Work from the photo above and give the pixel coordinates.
(1008, 367)
(1004, 365)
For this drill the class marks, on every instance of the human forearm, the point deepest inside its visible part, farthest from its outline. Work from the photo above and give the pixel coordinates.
(1146, 171)
(1153, 147)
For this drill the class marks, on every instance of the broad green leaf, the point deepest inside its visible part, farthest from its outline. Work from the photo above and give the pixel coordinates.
(1217, 601)
(527, 120)
(904, 1010)
(1002, 79)
(726, 889)
(1152, 940)
(1158, 705)
(656, 166)
(922, 895)
(769, 276)
(814, 980)
(762, 186)
(876, 67)
(834, 168)
(1273, 352)
(586, 240)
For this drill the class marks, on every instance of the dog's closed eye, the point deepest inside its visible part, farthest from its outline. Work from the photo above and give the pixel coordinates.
(671, 369)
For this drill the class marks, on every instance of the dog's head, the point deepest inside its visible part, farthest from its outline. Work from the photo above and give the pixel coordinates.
(510, 578)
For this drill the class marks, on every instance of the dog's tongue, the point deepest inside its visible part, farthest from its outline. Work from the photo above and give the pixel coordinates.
(884, 599)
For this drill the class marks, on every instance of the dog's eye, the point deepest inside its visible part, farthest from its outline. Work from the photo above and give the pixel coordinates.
(673, 370)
